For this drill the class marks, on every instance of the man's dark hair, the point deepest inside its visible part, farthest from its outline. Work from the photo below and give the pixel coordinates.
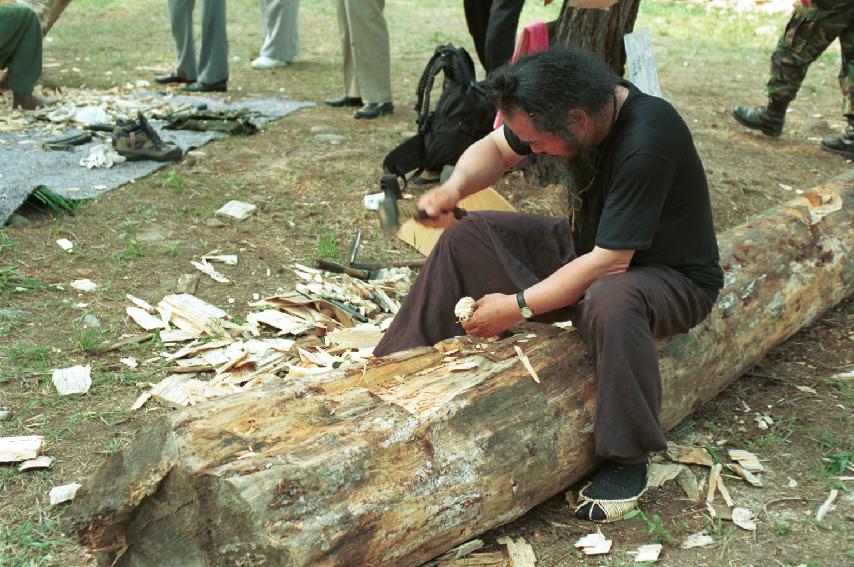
(548, 84)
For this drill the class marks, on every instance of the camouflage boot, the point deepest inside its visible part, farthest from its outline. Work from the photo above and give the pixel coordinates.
(136, 140)
(842, 144)
(767, 119)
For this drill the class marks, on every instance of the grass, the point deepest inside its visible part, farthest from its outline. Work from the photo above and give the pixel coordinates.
(654, 525)
(32, 542)
(11, 280)
(55, 203)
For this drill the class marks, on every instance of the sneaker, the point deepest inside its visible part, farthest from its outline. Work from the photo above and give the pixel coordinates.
(842, 144)
(137, 140)
(613, 492)
(760, 118)
(265, 62)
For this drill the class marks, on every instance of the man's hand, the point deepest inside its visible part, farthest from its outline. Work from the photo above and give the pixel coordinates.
(493, 314)
(439, 203)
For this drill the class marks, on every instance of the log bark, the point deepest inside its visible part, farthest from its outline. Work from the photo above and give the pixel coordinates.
(599, 31)
(396, 463)
(48, 11)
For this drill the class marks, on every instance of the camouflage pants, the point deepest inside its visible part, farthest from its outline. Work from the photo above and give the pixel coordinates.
(811, 29)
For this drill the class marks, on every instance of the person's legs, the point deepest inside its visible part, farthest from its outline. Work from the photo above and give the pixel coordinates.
(501, 32)
(487, 252)
(351, 83)
(181, 17)
(844, 144)
(620, 316)
(213, 52)
(477, 20)
(808, 33)
(20, 49)
(281, 32)
(369, 43)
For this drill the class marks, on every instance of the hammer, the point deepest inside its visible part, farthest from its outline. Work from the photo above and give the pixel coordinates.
(393, 208)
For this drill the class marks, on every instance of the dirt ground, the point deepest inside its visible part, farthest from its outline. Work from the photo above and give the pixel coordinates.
(139, 238)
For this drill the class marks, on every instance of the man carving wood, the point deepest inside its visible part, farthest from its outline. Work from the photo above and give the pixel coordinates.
(636, 260)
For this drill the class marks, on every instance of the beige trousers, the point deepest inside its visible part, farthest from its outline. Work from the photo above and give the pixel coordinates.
(365, 47)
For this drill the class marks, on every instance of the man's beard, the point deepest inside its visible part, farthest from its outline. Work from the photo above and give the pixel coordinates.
(576, 174)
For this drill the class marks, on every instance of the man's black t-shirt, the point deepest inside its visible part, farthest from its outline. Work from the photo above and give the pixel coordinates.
(650, 193)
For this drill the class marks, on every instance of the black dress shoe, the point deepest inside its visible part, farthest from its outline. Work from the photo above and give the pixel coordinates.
(199, 87)
(344, 101)
(170, 79)
(374, 110)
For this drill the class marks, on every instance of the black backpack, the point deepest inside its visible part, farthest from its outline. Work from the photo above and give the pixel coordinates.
(463, 115)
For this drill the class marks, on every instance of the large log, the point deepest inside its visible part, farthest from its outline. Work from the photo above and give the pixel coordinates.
(48, 11)
(396, 463)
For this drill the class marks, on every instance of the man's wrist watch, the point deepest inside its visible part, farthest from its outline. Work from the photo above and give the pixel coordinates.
(527, 313)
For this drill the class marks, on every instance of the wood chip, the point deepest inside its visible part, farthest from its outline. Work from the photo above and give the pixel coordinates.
(699, 539)
(661, 473)
(746, 459)
(191, 314)
(462, 366)
(287, 324)
(209, 270)
(65, 244)
(827, 506)
(526, 363)
(144, 319)
(22, 448)
(723, 489)
(64, 493)
(688, 483)
(141, 303)
(188, 283)
(743, 518)
(689, 455)
(464, 309)
(360, 336)
(714, 475)
(227, 259)
(237, 209)
(86, 285)
(39, 463)
(648, 553)
(746, 475)
(73, 380)
(520, 551)
(594, 544)
(179, 390)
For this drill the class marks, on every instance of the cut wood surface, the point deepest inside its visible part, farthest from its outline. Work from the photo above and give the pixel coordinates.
(398, 461)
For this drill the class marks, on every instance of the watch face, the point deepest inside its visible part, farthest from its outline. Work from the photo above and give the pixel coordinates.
(527, 313)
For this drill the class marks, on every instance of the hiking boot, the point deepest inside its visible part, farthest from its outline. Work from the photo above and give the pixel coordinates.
(768, 121)
(842, 144)
(137, 140)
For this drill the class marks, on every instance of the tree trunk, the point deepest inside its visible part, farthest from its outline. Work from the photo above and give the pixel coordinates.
(599, 31)
(397, 463)
(48, 11)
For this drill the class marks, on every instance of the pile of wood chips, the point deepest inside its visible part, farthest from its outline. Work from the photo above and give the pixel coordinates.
(327, 322)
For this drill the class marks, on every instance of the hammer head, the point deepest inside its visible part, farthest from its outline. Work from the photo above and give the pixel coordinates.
(388, 211)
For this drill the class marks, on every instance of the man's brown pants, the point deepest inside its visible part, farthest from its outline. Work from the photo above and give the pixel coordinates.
(619, 316)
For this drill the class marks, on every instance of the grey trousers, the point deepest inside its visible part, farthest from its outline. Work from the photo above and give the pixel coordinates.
(365, 47)
(281, 32)
(212, 64)
(619, 316)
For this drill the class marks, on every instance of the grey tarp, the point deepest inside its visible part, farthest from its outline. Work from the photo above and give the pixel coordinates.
(24, 165)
